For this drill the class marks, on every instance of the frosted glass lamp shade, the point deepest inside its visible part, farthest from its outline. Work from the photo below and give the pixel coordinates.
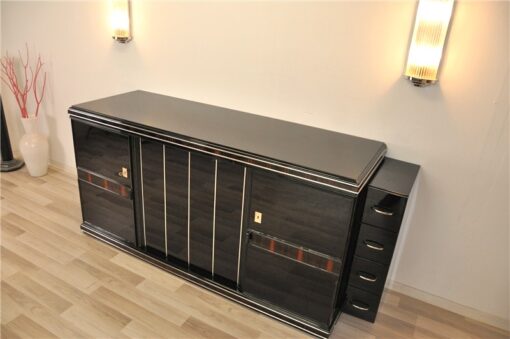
(429, 34)
(120, 18)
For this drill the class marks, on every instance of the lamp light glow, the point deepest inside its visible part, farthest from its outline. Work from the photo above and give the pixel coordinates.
(120, 17)
(430, 29)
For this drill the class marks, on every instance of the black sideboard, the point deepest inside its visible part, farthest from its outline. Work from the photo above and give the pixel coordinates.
(296, 222)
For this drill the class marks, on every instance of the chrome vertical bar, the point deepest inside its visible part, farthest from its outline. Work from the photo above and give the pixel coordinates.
(214, 213)
(164, 196)
(143, 199)
(189, 204)
(241, 229)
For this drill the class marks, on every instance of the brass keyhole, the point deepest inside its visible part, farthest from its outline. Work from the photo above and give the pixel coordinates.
(123, 172)
(258, 217)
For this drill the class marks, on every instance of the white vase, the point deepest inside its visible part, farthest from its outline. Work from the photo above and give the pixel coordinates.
(34, 148)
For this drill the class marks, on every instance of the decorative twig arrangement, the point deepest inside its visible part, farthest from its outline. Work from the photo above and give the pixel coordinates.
(22, 87)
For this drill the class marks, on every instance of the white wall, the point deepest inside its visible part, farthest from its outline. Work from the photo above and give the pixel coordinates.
(332, 65)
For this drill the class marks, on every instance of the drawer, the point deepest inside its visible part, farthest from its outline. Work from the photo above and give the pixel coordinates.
(102, 151)
(292, 286)
(375, 244)
(368, 275)
(384, 209)
(301, 213)
(361, 304)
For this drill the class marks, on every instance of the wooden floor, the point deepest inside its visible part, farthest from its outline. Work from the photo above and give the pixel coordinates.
(57, 282)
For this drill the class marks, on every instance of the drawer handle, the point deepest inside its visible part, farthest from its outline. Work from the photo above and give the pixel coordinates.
(367, 276)
(382, 211)
(359, 307)
(373, 245)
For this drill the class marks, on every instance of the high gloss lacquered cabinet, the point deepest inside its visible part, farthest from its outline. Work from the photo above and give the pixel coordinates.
(277, 216)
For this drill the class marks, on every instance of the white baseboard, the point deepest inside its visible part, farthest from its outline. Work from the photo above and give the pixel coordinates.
(466, 311)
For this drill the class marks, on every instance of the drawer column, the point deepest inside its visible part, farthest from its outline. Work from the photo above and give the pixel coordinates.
(384, 209)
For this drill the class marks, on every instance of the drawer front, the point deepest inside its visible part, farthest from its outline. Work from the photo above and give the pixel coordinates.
(384, 209)
(361, 304)
(300, 213)
(368, 275)
(293, 286)
(107, 210)
(102, 151)
(376, 244)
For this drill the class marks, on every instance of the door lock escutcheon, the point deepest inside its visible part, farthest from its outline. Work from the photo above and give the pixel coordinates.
(123, 172)
(258, 217)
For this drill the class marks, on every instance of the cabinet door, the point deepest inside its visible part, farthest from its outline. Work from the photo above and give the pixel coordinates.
(202, 179)
(176, 169)
(304, 214)
(230, 182)
(290, 278)
(104, 172)
(107, 210)
(102, 151)
(153, 196)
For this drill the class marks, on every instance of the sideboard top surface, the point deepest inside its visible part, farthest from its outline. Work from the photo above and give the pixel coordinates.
(349, 157)
(395, 176)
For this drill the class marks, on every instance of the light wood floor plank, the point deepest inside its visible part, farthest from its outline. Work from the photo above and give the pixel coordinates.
(40, 314)
(10, 258)
(35, 196)
(94, 322)
(25, 327)
(40, 232)
(128, 308)
(52, 251)
(137, 330)
(10, 309)
(193, 324)
(40, 293)
(201, 309)
(111, 268)
(146, 270)
(10, 229)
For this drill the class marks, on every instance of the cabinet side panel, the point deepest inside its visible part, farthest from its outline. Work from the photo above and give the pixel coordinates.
(153, 195)
(202, 175)
(177, 202)
(229, 191)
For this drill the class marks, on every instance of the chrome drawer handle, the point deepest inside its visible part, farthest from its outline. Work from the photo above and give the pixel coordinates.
(381, 211)
(361, 308)
(373, 245)
(366, 276)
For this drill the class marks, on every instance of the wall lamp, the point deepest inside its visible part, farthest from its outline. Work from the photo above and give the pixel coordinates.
(430, 29)
(120, 17)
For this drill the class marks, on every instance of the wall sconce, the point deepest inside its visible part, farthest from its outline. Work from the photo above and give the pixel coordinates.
(120, 17)
(426, 50)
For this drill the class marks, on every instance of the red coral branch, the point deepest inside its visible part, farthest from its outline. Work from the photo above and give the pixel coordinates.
(30, 80)
(38, 100)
